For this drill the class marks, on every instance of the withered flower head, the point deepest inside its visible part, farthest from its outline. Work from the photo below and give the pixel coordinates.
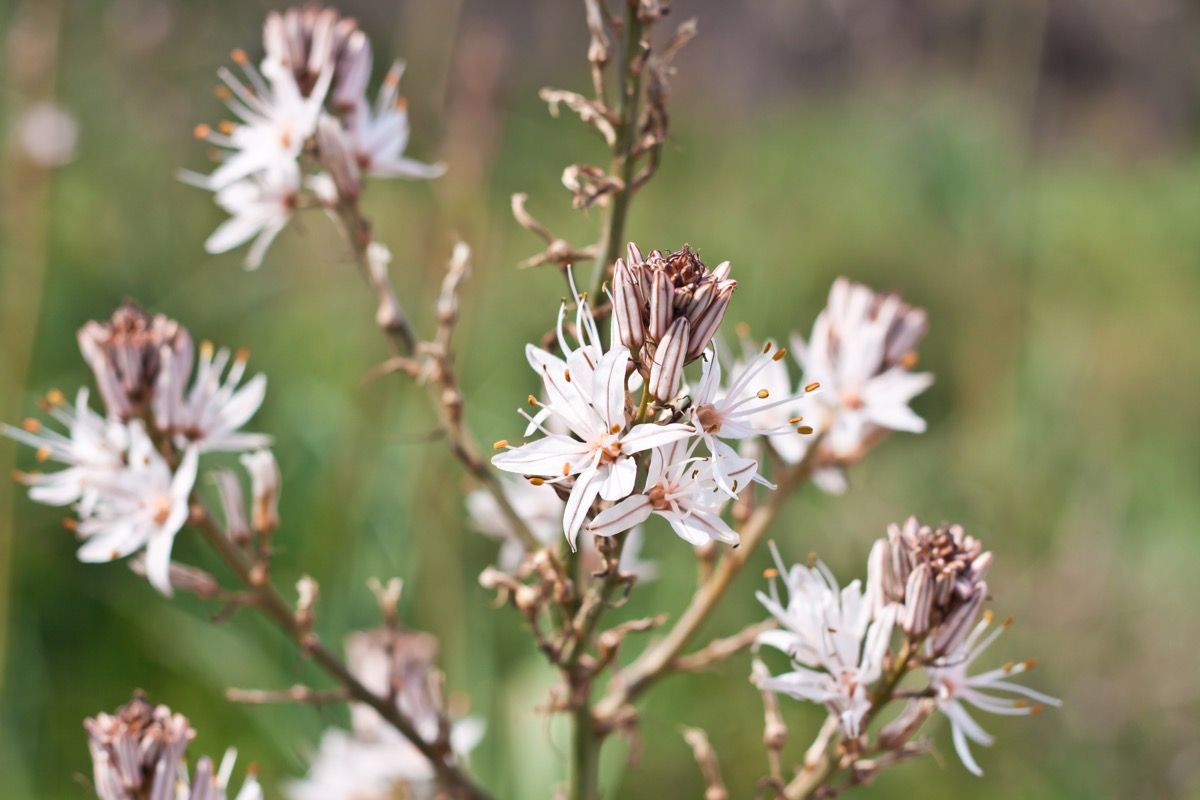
(137, 751)
(127, 354)
(311, 39)
(400, 664)
(937, 575)
(672, 300)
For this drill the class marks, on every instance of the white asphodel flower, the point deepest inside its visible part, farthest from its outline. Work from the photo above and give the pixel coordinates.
(861, 351)
(836, 644)
(93, 451)
(379, 135)
(209, 783)
(211, 413)
(737, 411)
(955, 689)
(260, 206)
(275, 121)
(683, 490)
(142, 506)
(590, 402)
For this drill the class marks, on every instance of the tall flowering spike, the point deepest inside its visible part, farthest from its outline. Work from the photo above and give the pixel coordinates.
(373, 761)
(836, 638)
(137, 752)
(650, 294)
(861, 353)
(308, 41)
(936, 575)
(955, 688)
(126, 354)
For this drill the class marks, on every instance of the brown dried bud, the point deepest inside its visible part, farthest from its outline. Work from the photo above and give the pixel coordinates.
(133, 355)
(896, 733)
(137, 751)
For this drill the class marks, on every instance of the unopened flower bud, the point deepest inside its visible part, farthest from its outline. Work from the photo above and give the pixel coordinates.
(136, 752)
(265, 485)
(337, 157)
(897, 732)
(666, 373)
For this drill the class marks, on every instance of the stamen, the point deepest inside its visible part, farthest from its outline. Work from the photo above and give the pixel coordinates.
(206, 349)
(779, 354)
(1008, 622)
(202, 131)
(812, 387)
(566, 470)
(239, 56)
(43, 454)
(795, 420)
(500, 444)
(1030, 663)
(533, 401)
(242, 354)
(31, 425)
(742, 329)
(567, 375)
(1009, 667)
(763, 394)
(1039, 708)
(770, 573)
(226, 127)
(55, 398)
(909, 359)
(615, 428)
(766, 348)
(401, 104)
(17, 475)
(70, 523)
(222, 92)
(805, 429)
(988, 616)
(536, 481)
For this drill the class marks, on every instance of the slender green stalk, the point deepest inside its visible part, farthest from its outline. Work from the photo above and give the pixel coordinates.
(623, 161)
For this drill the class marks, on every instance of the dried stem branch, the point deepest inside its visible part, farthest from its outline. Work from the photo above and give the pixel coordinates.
(721, 649)
(268, 600)
(294, 694)
(706, 758)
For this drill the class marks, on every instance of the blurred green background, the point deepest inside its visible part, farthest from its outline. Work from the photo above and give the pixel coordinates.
(1027, 171)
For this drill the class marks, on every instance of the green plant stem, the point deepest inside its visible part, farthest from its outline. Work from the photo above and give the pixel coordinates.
(271, 603)
(623, 160)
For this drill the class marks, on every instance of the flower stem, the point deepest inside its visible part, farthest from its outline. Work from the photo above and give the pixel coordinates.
(623, 160)
(268, 600)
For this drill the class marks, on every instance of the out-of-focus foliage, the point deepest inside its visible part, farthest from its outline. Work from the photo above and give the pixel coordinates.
(1061, 282)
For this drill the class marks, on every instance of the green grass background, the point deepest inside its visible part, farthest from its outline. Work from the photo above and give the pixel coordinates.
(1062, 291)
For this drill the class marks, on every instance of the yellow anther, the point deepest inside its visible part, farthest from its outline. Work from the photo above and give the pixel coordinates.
(536, 481)
(780, 353)
(239, 56)
(201, 131)
(795, 420)
(804, 429)
(55, 398)
(500, 444)
(770, 572)
(43, 454)
(763, 394)
(31, 425)
(242, 354)
(812, 387)
(533, 401)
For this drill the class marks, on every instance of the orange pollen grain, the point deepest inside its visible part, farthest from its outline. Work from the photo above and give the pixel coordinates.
(201, 131)
(812, 387)
(500, 444)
